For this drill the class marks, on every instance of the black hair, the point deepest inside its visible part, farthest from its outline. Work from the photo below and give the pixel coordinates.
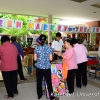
(74, 41)
(13, 38)
(58, 34)
(42, 38)
(69, 40)
(4, 39)
(50, 43)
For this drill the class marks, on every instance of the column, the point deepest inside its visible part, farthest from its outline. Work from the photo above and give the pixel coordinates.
(92, 38)
(49, 33)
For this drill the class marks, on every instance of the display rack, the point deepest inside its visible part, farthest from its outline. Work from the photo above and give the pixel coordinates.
(94, 68)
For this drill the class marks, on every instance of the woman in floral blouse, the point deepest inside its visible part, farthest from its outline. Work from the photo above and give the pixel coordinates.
(43, 56)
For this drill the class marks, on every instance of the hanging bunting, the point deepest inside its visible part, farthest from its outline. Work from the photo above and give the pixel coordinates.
(18, 24)
(37, 26)
(65, 28)
(9, 23)
(70, 29)
(45, 27)
(60, 28)
(51, 27)
(97, 29)
(1, 22)
(30, 26)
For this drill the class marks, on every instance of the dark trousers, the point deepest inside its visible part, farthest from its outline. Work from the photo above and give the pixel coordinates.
(81, 74)
(20, 70)
(46, 73)
(10, 81)
(70, 80)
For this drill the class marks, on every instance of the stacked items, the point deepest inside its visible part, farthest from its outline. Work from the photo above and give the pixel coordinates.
(98, 72)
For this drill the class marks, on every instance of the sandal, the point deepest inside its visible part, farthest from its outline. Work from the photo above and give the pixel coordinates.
(7, 97)
(16, 94)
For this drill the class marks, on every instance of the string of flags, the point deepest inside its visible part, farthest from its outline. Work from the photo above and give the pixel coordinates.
(17, 24)
(8, 23)
(62, 28)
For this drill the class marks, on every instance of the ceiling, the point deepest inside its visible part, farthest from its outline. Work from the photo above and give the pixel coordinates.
(63, 9)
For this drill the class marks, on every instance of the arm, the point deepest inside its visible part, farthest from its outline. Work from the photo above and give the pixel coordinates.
(50, 54)
(35, 57)
(55, 50)
(53, 46)
(21, 51)
(50, 57)
(67, 54)
(35, 54)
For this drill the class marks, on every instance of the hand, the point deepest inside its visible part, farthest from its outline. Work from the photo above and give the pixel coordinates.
(59, 54)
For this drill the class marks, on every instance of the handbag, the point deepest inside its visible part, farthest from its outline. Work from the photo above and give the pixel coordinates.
(64, 69)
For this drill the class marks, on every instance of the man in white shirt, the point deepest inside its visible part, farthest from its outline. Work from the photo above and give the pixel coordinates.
(85, 42)
(58, 43)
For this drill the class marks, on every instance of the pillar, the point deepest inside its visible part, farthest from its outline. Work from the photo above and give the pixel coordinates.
(49, 32)
(92, 38)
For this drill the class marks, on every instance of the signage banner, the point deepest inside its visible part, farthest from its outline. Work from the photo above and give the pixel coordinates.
(37, 26)
(9, 23)
(1, 22)
(62, 28)
(18, 24)
(30, 26)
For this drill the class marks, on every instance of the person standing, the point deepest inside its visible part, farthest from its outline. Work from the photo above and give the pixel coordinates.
(69, 56)
(99, 52)
(8, 56)
(85, 43)
(43, 56)
(57, 43)
(19, 48)
(81, 58)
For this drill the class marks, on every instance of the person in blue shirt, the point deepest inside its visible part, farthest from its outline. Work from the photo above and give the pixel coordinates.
(38, 41)
(43, 56)
(19, 48)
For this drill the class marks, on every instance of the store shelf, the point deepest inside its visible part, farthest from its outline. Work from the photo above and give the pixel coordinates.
(94, 72)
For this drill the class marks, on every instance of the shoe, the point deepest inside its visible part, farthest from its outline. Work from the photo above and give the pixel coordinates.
(79, 87)
(40, 97)
(23, 79)
(84, 85)
(16, 94)
(7, 97)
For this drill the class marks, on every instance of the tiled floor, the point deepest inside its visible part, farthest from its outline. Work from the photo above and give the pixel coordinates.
(27, 91)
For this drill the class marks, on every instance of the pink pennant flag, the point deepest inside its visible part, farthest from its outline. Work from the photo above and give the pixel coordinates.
(65, 28)
(38, 26)
(18, 24)
(59, 27)
(97, 29)
(81, 29)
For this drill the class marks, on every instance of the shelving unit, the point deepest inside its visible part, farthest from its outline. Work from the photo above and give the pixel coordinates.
(94, 72)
